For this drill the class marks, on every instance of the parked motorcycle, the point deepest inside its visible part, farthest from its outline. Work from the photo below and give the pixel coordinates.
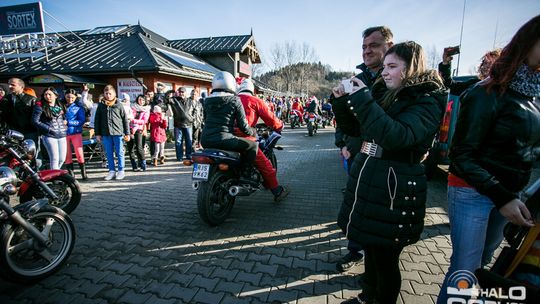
(36, 238)
(294, 118)
(312, 123)
(217, 175)
(58, 186)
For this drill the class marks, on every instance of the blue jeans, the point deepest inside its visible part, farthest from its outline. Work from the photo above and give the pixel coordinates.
(114, 145)
(185, 134)
(476, 230)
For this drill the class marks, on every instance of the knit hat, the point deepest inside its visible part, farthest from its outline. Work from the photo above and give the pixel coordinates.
(125, 97)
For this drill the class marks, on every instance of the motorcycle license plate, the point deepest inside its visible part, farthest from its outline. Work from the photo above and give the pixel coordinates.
(200, 171)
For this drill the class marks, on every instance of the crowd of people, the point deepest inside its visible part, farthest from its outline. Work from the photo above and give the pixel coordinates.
(385, 128)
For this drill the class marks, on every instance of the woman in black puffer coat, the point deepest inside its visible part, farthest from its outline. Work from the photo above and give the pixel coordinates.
(384, 205)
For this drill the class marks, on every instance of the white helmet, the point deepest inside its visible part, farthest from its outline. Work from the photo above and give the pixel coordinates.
(224, 81)
(247, 86)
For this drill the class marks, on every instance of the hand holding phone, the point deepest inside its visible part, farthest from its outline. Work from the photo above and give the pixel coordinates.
(347, 86)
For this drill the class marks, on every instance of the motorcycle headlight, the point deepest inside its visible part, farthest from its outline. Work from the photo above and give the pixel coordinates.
(29, 148)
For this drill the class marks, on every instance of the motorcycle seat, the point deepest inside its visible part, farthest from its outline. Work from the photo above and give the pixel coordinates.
(221, 153)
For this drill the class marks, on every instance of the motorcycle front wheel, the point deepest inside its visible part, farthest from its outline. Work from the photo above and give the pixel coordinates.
(213, 200)
(24, 260)
(64, 186)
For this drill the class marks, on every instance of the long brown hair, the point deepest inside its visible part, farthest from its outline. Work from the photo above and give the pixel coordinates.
(415, 65)
(512, 56)
(45, 105)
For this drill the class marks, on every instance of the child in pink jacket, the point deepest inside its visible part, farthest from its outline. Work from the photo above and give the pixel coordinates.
(158, 125)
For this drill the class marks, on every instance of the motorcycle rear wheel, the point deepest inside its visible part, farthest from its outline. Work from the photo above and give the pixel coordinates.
(310, 128)
(24, 260)
(66, 188)
(213, 200)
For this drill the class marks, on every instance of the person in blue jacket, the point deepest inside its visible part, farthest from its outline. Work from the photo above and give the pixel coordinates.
(75, 118)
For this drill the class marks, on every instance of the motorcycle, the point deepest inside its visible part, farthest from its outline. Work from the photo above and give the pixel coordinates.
(326, 119)
(294, 118)
(312, 123)
(58, 186)
(217, 175)
(36, 238)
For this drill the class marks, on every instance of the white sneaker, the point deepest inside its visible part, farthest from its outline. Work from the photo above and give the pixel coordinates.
(110, 175)
(120, 175)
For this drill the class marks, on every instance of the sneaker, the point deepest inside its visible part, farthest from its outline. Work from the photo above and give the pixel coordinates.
(120, 175)
(282, 194)
(348, 261)
(110, 175)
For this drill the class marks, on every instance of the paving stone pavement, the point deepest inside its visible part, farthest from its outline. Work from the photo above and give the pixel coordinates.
(140, 240)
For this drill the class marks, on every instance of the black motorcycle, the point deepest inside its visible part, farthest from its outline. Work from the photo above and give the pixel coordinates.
(312, 121)
(36, 238)
(218, 177)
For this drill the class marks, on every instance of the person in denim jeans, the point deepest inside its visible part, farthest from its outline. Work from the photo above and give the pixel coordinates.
(496, 142)
(183, 115)
(112, 128)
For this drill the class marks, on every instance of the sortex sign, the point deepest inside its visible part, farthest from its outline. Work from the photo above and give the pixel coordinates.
(21, 19)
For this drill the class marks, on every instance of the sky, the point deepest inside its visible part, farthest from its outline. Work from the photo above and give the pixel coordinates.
(333, 28)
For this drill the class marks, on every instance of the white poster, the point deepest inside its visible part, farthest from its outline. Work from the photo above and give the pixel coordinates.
(130, 86)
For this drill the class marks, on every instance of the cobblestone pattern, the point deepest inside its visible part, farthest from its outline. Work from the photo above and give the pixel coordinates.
(140, 240)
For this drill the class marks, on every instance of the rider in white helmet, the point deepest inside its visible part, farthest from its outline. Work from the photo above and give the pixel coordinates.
(223, 111)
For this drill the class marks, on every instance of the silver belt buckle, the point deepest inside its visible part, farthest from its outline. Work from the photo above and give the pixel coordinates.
(371, 149)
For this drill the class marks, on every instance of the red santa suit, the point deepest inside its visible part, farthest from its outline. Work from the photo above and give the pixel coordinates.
(297, 106)
(256, 108)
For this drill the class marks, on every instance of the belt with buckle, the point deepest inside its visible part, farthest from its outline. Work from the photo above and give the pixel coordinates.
(405, 156)
(371, 149)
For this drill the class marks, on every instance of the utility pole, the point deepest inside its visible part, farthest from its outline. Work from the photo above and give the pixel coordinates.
(461, 36)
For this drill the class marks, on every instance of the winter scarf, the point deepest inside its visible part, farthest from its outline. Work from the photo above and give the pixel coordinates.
(109, 103)
(138, 108)
(526, 82)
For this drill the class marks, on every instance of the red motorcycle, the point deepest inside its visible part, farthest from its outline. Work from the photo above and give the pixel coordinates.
(62, 189)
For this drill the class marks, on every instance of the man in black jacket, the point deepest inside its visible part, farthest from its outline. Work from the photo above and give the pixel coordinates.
(16, 112)
(183, 115)
(376, 41)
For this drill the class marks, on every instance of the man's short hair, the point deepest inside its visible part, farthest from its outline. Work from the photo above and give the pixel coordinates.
(383, 29)
(18, 80)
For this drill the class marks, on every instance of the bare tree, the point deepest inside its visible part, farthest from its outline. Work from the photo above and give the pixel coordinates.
(432, 57)
(277, 56)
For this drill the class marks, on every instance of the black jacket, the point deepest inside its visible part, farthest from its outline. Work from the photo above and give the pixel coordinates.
(111, 121)
(222, 114)
(455, 87)
(496, 142)
(183, 112)
(16, 111)
(384, 204)
(49, 126)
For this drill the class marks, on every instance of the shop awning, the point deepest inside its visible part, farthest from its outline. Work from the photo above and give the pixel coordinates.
(63, 78)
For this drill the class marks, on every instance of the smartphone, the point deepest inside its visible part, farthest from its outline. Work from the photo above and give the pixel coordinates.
(347, 85)
(451, 50)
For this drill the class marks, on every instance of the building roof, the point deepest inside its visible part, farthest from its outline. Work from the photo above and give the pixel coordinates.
(112, 50)
(217, 45)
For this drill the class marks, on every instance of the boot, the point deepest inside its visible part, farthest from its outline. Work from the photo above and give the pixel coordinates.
(83, 171)
(134, 165)
(143, 165)
(70, 169)
(162, 160)
(154, 162)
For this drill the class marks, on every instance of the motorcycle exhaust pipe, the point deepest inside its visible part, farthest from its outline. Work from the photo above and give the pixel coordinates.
(238, 191)
(195, 185)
